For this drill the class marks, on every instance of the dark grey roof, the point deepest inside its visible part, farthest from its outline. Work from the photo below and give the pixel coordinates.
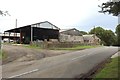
(73, 32)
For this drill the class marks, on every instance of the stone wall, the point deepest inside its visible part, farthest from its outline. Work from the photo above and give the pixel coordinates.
(70, 38)
(52, 45)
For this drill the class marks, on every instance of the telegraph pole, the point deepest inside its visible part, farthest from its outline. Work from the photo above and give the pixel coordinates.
(94, 30)
(15, 34)
(16, 23)
(31, 33)
(16, 26)
(94, 35)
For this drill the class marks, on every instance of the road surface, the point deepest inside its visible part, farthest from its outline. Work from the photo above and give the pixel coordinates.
(70, 65)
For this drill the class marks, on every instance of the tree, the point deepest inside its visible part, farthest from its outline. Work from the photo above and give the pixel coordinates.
(99, 31)
(118, 34)
(4, 13)
(83, 32)
(107, 36)
(111, 7)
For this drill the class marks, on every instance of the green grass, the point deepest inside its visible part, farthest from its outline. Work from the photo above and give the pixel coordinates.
(110, 70)
(76, 48)
(0, 55)
(3, 55)
(79, 47)
(31, 46)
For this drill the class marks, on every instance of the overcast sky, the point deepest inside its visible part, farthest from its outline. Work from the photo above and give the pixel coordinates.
(65, 14)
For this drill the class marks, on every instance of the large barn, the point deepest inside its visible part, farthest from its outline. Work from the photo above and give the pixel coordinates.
(38, 31)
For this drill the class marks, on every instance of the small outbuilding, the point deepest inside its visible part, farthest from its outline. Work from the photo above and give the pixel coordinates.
(71, 35)
(91, 39)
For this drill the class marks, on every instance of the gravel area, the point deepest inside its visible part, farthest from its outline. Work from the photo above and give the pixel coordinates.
(20, 53)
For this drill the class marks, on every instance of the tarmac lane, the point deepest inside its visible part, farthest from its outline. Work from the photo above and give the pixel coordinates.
(62, 66)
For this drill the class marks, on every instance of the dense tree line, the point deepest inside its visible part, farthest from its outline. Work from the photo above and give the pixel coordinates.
(83, 32)
(118, 34)
(108, 37)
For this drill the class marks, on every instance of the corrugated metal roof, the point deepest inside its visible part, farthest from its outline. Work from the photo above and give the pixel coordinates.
(72, 31)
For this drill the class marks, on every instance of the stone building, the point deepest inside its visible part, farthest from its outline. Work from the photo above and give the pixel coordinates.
(91, 39)
(71, 35)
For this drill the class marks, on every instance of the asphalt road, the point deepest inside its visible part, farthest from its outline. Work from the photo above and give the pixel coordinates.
(69, 65)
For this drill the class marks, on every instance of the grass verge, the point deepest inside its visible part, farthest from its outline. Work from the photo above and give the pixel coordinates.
(80, 47)
(0, 55)
(110, 70)
(76, 48)
(3, 55)
(32, 46)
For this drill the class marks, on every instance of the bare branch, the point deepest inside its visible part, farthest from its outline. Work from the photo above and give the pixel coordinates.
(4, 13)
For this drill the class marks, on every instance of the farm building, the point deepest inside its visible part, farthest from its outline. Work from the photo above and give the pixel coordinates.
(91, 39)
(71, 35)
(38, 31)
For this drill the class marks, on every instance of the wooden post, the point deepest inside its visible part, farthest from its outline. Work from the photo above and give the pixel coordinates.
(16, 27)
(3, 37)
(9, 37)
(4, 33)
(14, 37)
(20, 36)
(31, 33)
